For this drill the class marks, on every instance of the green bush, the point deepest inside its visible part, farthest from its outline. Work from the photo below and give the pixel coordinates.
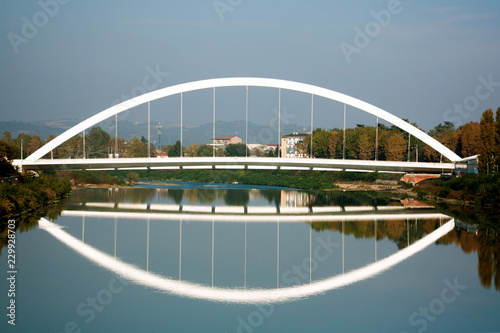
(96, 177)
(19, 198)
(422, 194)
(480, 188)
(444, 192)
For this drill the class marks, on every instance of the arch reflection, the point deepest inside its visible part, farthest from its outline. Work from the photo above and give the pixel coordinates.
(238, 295)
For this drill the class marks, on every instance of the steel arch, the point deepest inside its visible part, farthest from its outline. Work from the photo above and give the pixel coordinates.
(237, 82)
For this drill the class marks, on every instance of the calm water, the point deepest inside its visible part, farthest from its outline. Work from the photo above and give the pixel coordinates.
(219, 258)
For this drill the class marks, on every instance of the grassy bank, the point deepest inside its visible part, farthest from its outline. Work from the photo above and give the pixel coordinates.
(315, 180)
(79, 178)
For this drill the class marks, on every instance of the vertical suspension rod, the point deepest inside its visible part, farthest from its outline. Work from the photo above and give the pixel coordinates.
(182, 98)
(279, 123)
(213, 126)
(246, 123)
(149, 130)
(312, 124)
(116, 135)
(376, 142)
(343, 147)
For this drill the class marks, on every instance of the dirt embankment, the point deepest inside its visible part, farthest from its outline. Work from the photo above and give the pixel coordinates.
(366, 186)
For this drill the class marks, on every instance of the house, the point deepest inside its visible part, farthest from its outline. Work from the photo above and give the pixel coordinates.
(289, 143)
(226, 140)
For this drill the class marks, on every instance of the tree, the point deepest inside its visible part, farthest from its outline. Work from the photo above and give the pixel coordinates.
(365, 147)
(257, 152)
(395, 147)
(137, 148)
(6, 151)
(7, 137)
(487, 147)
(220, 152)
(469, 138)
(448, 139)
(54, 153)
(34, 144)
(351, 143)
(272, 152)
(152, 150)
(333, 143)
(71, 148)
(321, 140)
(302, 148)
(237, 149)
(497, 138)
(442, 128)
(205, 151)
(175, 150)
(121, 146)
(97, 143)
(7, 154)
(133, 177)
(192, 150)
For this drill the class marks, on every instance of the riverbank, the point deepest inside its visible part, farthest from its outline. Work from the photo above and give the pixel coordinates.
(32, 195)
(471, 189)
(306, 180)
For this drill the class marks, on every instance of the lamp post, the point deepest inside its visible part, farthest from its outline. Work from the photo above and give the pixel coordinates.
(159, 127)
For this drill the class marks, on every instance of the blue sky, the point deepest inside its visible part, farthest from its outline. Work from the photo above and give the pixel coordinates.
(424, 59)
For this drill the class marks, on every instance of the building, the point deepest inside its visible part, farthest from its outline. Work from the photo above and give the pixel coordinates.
(226, 140)
(289, 143)
(467, 165)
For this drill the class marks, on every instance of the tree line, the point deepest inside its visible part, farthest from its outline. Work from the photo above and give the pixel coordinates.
(394, 144)
(99, 144)
(363, 142)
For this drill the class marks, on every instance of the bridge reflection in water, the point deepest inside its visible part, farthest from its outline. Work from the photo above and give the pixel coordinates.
(220, 221)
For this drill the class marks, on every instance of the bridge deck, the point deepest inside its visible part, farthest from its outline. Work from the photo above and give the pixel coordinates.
(234, 163)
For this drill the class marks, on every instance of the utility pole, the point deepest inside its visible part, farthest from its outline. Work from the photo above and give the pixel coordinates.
(159, 127)
(83, 144)
(22, 155)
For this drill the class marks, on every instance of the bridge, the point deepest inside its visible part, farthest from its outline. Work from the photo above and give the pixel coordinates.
(36, 162)
(186, 163)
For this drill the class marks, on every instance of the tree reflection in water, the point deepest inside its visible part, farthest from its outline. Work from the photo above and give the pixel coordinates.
(486, 242)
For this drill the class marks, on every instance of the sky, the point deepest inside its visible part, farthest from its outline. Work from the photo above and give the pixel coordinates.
(426, 61)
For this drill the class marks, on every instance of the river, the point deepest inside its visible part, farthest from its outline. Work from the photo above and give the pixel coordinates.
(192, 257)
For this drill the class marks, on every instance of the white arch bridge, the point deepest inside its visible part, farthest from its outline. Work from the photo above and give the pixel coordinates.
(36, 162)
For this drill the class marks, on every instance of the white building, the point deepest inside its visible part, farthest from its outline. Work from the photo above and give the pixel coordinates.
(289, 143)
